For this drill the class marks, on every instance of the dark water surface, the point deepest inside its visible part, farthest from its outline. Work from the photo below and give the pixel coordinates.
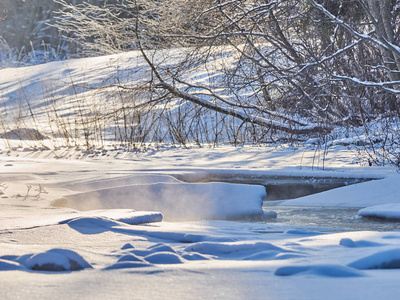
(340, 218)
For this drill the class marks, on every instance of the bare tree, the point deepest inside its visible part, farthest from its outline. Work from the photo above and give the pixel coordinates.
(26, 30)
(264, 80)
(378, 77)
(105, 27)
(288, 58)
(286, 67)
(379, 31)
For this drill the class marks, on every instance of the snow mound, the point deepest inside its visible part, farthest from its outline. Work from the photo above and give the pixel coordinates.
(55, 260)
(164, 258)
(349, 243)
(264, 255)
(129, 257)
(127, 246)
(128, 216)
(388, 259)
(161, 247)
(153, 249)
(98, 221)
(178, 201)
(386, 211)
(91, 225)
(243, 250)
(364, 194)
(23, 134)
(319, 270)
(127, 265)
(218, 248)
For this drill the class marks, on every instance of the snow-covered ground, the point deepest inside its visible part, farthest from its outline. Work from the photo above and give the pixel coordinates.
(49, 250)
(115, 224)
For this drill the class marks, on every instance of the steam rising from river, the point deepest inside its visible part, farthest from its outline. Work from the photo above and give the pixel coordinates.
(177, 201)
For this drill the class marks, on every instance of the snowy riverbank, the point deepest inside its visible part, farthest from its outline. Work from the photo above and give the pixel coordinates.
(60, 252)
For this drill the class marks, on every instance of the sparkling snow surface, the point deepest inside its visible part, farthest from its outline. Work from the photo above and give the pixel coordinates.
(385, 211)
(72, 225)
(50, 250)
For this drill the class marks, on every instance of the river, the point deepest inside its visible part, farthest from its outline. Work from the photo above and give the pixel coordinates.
(336, 218)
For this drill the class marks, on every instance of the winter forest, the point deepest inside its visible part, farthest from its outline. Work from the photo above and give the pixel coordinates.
(220, 149)
(277, 70)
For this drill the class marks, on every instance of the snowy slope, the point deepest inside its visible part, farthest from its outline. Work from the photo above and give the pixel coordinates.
(55, 242)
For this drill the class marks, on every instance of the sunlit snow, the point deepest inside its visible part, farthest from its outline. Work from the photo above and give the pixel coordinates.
(118, 224)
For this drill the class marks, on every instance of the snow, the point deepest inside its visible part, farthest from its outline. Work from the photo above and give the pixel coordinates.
(127, 216)
(236, 248)
(387, 211)
(123, 224)
(55, 260)
(164, 258)
(319, 270)
(178, 201)
(383, 191)
(387, 259)
(346, 242)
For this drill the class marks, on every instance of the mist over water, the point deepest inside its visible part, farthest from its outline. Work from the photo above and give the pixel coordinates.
(177, 201)
(335, 218)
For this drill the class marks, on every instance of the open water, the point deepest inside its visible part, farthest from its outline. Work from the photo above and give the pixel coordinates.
(338, 218)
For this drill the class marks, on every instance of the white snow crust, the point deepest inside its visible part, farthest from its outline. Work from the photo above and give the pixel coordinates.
(118, 224)
(359, 195)
(386, 211)
(178, 201)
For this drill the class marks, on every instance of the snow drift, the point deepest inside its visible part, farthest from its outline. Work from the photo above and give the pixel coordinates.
(386, 259)
(385, 211)
(54, 260)
(178, 201)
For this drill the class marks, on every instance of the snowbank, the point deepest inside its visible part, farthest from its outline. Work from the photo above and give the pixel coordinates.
(178, 201)
(91, 185)
(364, 194)
(387, 211)
(387, 259)
(127, 216)
(208, 259)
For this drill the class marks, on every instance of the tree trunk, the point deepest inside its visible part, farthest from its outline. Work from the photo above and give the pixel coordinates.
(381, 10)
